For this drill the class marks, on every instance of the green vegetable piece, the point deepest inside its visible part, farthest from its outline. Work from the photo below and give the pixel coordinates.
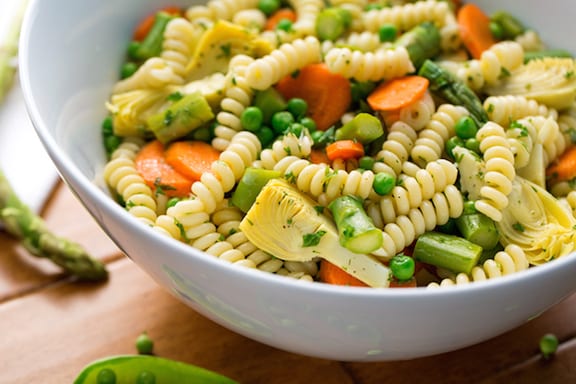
(360, 90)
(402, 267)
(366, 162)
(252, 119)
(130, 369)
(383, 183)
(331, 23)
(422, 42)
(496, 30)
(548, 345)
(309, 123)
(281, 121)
(453, 90)
(364, 128)
(284, 25)
(511, 26)
(466, 128)
(356, 229)
(266, 136)
(479, 229)
(268, 7)
(128, 69)
(250, 185)
(452, 143)
(152, 44)
(144, 344)
(473, 144)
(185, 115)
(323, 138)
(297, 107)
(534, 55)
(269, 101)
(387, 32)
(447, 251)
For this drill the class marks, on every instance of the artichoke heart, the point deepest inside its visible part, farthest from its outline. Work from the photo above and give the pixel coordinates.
(285, 223)
(219, 44)
(537, 222)
(550, 81)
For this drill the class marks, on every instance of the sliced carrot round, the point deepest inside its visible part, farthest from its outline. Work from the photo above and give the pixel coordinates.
(344, 149)
(564, 168)
(474, 27)
(191, 158)
(398, 93)
(159, 175)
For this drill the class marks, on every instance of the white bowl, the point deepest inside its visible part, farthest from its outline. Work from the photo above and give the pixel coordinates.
(70, 54)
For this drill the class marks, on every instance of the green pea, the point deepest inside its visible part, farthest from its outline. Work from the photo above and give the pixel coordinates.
(452, 143)
(496, 30)
(111, 143)
(268, 7)
(128, 69)
(466, 128)
(383, 183)
(473, 144)
(548, 345)
(146, 377)
(108, 126)
(266, 136)
(317, 136)
(296, 129)
(252, 118)
(172, 202)
(144, 344)
(106, 376)
(366, 162)
(387, 32)
(372, 7)
(309, 123)
(297, 107)
(285, 25)
(281, 121)
(133, 48)
(402, 267)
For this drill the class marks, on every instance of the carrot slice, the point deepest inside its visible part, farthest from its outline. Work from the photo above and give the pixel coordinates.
(474, 26)
(344, 149)
(331, 274)
(398, 93)
(564, 168)
(159, 175)
(318, 156)
(282, 13)
(142, 29)
(327, 94)
(191, 158)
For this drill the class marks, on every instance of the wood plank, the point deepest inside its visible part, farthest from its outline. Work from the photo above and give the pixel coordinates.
(54, 333)
(498, 357)
(20, 272)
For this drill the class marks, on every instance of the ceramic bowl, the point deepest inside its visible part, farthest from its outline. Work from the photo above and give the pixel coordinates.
(69, 60)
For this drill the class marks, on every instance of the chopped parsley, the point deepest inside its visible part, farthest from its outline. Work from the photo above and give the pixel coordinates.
(312, 239)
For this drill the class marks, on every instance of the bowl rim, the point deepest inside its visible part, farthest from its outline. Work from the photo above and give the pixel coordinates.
(68, 172)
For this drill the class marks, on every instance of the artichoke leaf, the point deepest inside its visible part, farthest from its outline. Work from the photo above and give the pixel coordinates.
(550, 81)
(285, 223)
(537, 222)
(222, 41)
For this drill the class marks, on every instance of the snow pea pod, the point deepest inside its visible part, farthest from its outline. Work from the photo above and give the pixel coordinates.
(146, 369)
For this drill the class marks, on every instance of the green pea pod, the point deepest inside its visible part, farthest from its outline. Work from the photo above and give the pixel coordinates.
(146, 369)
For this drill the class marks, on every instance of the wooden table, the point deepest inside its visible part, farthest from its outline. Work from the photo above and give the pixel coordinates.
(51, 327)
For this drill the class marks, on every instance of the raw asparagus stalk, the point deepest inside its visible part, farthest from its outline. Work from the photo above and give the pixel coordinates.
(453, 90)
(20, 221)
(479, 229)
(356, 230)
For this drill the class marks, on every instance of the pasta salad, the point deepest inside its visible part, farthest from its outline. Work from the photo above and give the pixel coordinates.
(353, 142)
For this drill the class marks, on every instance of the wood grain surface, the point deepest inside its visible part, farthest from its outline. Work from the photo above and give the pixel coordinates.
(51, 327)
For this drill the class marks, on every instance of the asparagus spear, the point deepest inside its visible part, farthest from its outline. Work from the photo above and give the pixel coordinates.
(422, 42)
(453, 90)
(20, 221)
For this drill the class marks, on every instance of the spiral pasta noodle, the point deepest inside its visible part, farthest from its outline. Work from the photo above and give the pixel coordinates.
(429, 145)
(225, 172)
(306, 11)
(289, 145)
(504, 109)
(268, 70)
(396, 148)
(369, 66)
(499, 164)
(416, 115)
(121, 175)
(219, 9)
(237, 96)
(407, 16)
(364, 41)
(356, 9)
(153, 74)
(180, 39)
(406, 228)
(511, 260)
